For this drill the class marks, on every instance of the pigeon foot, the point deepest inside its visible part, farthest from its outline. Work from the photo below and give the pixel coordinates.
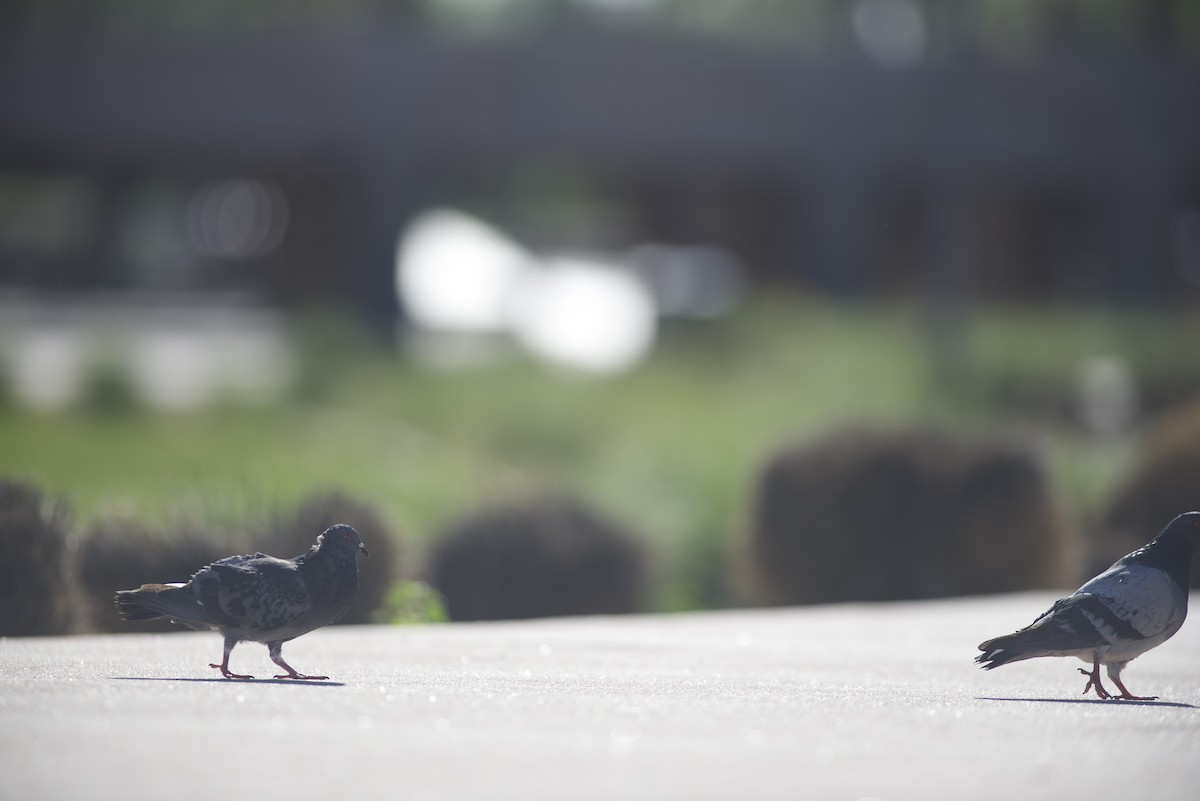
(1094, 681)
(1128, 696)
(226, 672)
(276, 651)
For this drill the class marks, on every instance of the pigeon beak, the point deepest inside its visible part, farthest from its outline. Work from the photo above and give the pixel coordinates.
(364, 550)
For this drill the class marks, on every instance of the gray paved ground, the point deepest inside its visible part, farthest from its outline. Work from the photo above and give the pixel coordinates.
(841, 702)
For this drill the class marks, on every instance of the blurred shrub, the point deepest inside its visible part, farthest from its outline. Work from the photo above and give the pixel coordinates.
(1164, 482)
(700, 576)
(37, 593)
(119, 553)
(108, 389)
(410, 602)
(876, 514)
(540, 558)
(295, 533)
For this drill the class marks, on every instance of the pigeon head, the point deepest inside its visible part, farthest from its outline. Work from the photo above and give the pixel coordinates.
(1173, 548)
(1185, 529)
(342, 536)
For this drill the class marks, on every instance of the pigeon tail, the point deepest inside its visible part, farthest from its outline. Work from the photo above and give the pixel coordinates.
(175, 602)
(1009, 648)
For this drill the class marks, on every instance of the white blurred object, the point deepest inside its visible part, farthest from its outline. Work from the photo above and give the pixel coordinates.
(48, 366)
(256, 363)
(465, 285)
(585, 313)
(1106, 393)
(892, 33)
(178, 356)
(457, 273)
(173, 370)
(185, 365)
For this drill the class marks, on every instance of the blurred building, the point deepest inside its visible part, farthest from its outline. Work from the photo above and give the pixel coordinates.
(859, 148)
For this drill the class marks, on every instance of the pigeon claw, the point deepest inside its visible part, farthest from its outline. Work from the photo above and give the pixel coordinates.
(1094, 681)
(226, 672)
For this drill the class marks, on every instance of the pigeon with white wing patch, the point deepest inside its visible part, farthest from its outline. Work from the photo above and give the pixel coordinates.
(1137, 604)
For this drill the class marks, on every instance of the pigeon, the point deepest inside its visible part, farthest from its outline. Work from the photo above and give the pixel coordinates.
(259, 598)
(1135, 605)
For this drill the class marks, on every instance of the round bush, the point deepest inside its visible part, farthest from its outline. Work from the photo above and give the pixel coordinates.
(37, 592)
(540, 558)
(1163, 482)
(874, 514)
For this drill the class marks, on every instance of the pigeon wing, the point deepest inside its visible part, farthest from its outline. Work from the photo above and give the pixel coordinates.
(1077, 623)
(1123, 604)
(1142, 601)
(253, 593)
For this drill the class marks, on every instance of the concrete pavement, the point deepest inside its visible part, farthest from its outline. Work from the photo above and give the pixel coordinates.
(838, 702)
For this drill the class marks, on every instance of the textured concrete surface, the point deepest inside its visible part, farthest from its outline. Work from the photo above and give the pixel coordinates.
(838, 702)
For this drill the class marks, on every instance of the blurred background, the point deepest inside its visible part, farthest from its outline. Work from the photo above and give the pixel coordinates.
(595, 306)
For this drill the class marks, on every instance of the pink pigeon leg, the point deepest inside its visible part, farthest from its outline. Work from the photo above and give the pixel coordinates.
(1094, 680)
(276, 651)
(224, 666)
(1125, 694)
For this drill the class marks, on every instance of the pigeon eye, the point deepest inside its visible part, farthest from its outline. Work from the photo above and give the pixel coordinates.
(1196, 524)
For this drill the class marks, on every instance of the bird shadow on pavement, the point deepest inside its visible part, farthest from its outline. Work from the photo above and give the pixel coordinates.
(295, 682)
(1175, 704)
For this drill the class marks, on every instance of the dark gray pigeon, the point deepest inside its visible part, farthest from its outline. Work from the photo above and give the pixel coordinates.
(1135, 605)
(259, 598)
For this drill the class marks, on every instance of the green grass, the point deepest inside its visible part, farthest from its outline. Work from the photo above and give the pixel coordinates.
(670, 449)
